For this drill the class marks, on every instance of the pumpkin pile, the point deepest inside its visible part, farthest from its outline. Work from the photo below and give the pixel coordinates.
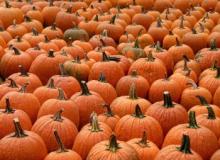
(109, 80)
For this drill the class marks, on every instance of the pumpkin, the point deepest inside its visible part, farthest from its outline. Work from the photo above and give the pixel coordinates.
(173, 113)
(11, 59)
(111, 69)
(5, 35)
(46, 92)
(6, 117)
(135, 29)
(161, 5)
(34, 37)
(74, 50)
(212, 70)
(50, 61)
(52, 32)
(159, 86)
(189, 95)
(91, 134)
(124, 105)
(62, 152)
(182, 152)
(48, 45)
(179, 50)
(87, 102)
(59, 42)
(158, 32)
(103, 88)
(133, 125)
(16, 29)
(35, 13)
(110, 118)
(210, 121)
(211, 82)
(23, 101)
(201, 108)
(195, 40)
(76, 34)
(51, 106)
(8, 86)
(22, 139)
(44, 127)
(216, 155)
(216, 37)
(203, 140)
(181, 30)
(35, 51)
(142, 85)
(19, 43)
(150, 68)
(145, 148)
(23, 77)
(30, 23)
(66, 82)
(170, 40)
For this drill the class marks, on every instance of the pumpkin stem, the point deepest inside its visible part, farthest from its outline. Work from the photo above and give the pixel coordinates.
(94, 123)
(167, 100)
(192, 120)
(194, 31)
(105, 57)
(159, 22)
(18, 38)
(177, 42)
(109, 112)
(158, 47)
(96, 18)
(143, 141)
(23, 71)
(136, 44)
(8, 108)
(16, 51)
(19, 132)
(201, 26)
(23, 88)
(84, 88)
(214, 65)
(112, 21)
(27, 18)
(12, 83)
(193, 84)
(181, 22)
(185, 146)
(34, 32)
(62, 70)
(102, 78)
(150, 56)
(51, 84)
(53, 26)
(218, 72)
(7, 5)
(57, 116)
(202, 100)
(50, 3)
(46, 40)
(1, 29)
(133, 92)
(61, 95)
(211, 113)
(51, 53)
(113, 145)
(138, 113)
(134, 73)
(59, 142)
(213, 45)
(69, 10)
(185, 66)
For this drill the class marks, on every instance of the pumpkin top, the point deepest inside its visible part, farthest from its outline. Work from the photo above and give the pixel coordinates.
(211, 113)
(218, 72)
(185, 146)
(202, 100)
(8, 108)
(150, 57)
(167, 100)
(61, 95)
(51, 53)
(113, 145)
(192, 120)
(138, 113)
(57, 116)
(51, 84)
(23, 72)
(63, 72)
(84, 88)
(94, 123)
(133, 92)
(19, 132)
(60, 143)
(23, 88)
(143, 141)
(102, 78)
(108, 112)
(213, 46)
(12, 83)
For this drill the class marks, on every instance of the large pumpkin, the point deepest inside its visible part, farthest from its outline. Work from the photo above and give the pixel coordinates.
(112, 148)
(44, 127)
(22, 141)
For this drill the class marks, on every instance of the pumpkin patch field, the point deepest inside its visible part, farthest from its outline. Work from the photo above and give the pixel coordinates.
(109, 80)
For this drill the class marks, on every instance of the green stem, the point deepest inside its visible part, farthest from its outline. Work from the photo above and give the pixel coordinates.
(59, 142)
(192, 120)
(138, 113)
(185, 146)
(136, 44)
(23, 88)
(102, 78)
(211, 113)
(84, 88)
(8, 108)
(19, 132)
(150, 56)
(202, 100)
(51, 84)
(167, 100)
(57, 116)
